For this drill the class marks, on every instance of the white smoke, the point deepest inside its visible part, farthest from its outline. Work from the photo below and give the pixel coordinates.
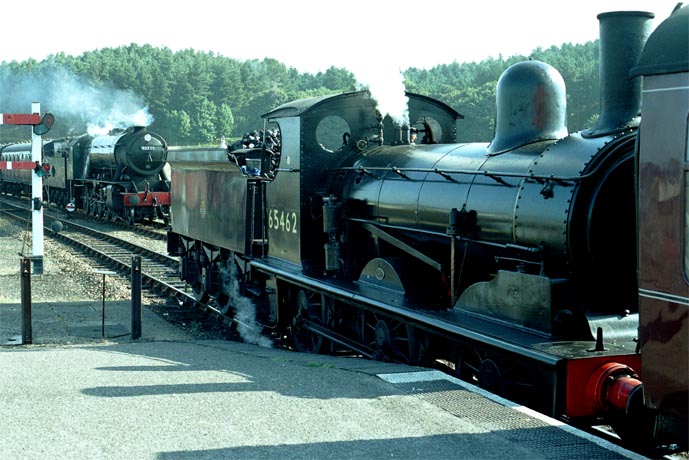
(77, 104)
(387, 89)
(118, 119)
(245, 310)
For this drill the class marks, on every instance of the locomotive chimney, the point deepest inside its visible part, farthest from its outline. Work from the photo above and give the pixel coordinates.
(622, 38)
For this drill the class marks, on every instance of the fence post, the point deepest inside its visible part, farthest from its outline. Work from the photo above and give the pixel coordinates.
(136, 297)
(25, 270)
(102, 320)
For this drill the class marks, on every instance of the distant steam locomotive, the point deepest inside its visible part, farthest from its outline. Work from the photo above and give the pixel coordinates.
(119, 176)
(517, 263)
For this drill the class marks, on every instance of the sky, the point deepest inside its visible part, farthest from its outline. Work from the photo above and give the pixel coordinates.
(376, 40)
(312, 35)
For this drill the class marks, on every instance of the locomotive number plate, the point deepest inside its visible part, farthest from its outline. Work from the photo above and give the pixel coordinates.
(282, 220)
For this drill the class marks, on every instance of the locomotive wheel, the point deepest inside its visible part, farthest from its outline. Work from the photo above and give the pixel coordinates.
(390, 340)
(309, 307)
(504, 377)
(476, 367)
(199, 293)
(382, 339)
(462, 370)
(489, 377)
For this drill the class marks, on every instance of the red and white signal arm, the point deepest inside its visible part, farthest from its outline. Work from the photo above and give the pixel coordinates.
(70, 207)
(41, 125)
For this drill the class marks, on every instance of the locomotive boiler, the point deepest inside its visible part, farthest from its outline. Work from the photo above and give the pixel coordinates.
(511, 262)
(119, 176)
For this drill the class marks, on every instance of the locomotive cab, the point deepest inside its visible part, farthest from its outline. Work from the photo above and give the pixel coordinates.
(315, 134)
(318, 136)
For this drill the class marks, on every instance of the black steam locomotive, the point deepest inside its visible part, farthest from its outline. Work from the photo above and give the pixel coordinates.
(513, 263)
(119, 176)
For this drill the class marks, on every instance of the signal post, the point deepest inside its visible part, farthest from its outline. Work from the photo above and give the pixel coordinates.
(41, 125)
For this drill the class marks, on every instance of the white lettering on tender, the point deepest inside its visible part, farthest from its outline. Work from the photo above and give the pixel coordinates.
(282, 220)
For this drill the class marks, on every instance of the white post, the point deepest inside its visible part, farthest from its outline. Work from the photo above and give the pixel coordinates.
(37, 202)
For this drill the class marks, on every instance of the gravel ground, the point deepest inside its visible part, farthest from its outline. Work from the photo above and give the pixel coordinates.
(69, 276)
(66, 275)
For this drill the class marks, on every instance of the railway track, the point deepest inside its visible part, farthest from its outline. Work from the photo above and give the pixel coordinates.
(152, 229)
(109, 245)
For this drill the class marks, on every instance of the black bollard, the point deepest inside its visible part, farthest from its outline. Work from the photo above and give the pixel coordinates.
(136, 297)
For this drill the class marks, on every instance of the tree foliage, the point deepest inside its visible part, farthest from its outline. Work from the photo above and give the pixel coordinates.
(200, 98)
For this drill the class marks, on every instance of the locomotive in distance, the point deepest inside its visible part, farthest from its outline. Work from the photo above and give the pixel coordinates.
(518, 263)
(119, 176)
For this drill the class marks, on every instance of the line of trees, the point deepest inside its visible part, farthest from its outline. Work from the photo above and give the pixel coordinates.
(198, 97)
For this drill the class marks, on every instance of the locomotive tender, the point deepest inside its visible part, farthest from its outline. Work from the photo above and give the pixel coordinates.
(118, 176)
(516, 262)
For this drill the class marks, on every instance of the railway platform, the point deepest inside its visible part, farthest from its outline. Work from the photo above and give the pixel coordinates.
(73, 394)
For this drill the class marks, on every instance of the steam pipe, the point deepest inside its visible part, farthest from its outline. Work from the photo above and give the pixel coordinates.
(405, 134)
(402, 134)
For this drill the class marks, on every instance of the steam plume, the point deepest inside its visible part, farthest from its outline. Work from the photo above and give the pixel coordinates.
(387, 89)
(77, 104)
(245, 310)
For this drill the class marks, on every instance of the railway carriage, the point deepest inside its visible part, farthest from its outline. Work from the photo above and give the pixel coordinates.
(663, 228)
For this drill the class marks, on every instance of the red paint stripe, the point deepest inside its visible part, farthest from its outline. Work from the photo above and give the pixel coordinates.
(21, 118)
(17, 165)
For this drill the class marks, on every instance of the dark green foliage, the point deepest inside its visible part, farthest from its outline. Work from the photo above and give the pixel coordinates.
(193, 97)
(470, 88)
